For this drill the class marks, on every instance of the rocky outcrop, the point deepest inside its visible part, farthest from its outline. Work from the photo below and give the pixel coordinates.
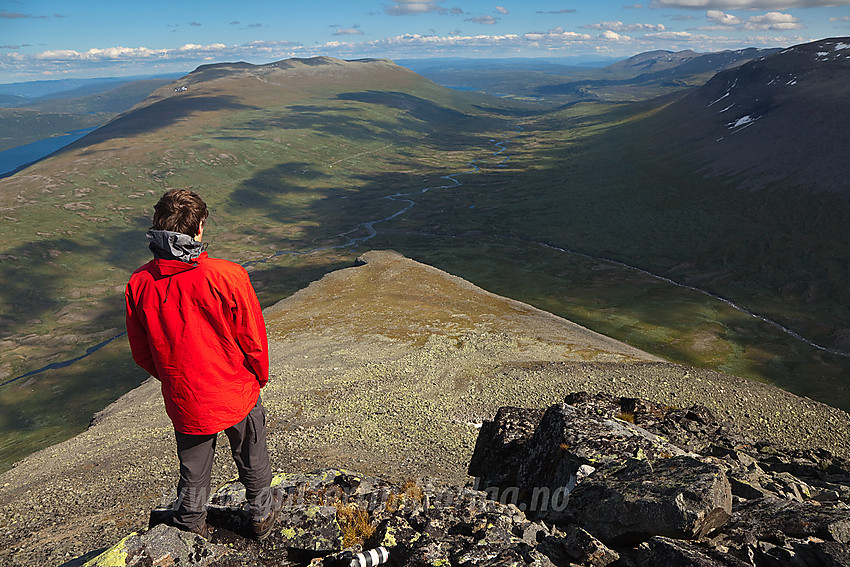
(714, 497)
(419, 524)
(594, 481)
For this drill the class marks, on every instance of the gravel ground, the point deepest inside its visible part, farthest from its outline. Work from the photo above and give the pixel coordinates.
(386, 369)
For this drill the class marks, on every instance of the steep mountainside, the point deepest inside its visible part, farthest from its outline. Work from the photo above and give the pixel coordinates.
(631, 186)
(781, 117)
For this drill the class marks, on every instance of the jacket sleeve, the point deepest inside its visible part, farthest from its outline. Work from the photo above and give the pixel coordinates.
(138, 336)
(250, 330)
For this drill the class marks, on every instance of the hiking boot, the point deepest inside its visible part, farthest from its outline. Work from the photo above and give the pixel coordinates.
(262, 528)
(166, 516)
(202, 530)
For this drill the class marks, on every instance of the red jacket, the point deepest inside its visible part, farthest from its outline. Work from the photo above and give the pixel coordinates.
(197, 327)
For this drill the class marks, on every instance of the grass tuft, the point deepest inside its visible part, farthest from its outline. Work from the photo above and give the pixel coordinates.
(626, 416)
(355, 523)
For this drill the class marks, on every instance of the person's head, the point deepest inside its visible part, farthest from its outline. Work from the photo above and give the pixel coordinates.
(180, 210)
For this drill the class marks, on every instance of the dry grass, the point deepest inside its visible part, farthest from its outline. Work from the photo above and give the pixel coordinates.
(355, 523)
(626, 416)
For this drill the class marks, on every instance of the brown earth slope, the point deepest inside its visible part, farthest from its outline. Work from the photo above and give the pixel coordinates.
(385, 368)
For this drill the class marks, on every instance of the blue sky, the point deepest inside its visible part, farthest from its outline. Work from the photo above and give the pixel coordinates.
(53, 39)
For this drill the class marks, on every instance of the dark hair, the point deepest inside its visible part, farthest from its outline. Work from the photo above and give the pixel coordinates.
(180, 210)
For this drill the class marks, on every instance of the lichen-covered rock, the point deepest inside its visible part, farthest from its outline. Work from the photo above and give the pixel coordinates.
(584, 549)
(567, 438)
(693, 429)
(598, 490)
(762, 519)
(161, 545)
(308, 528)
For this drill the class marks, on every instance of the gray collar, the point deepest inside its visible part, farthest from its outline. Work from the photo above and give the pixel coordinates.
(167, 245)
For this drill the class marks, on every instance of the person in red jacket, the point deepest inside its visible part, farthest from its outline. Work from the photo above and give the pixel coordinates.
(195, 324)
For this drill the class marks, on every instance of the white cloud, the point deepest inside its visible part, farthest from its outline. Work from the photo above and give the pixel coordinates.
(773, 21)
(406, 7)
(745, 4)
(620, 26)
(722, 18)
(614, 36)
(109, 53)
(555, 35)
(676, 36)
(116, 61)
(840, 19)
(502, 10)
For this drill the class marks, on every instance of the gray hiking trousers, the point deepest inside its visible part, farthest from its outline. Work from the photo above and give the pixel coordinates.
(248, 446)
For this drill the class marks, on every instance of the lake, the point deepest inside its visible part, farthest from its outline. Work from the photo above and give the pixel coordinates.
(13, 158)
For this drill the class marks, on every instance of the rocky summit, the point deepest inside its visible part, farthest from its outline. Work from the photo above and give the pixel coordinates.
(593, 481)
(441, 418)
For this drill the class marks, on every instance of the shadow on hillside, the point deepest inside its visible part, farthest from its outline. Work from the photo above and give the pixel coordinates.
(158, 115)
(38, 276)
(414, 106)
(327, 121)
(376, 115)
(441, 122)
(344, 213)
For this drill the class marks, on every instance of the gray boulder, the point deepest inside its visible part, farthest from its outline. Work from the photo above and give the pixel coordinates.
(500, 448)
(664, 551)
(680, 497)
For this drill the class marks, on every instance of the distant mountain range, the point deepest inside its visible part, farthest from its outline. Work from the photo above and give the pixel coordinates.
(688, 62)
(566, 81)
(652, 73)
(69, 88)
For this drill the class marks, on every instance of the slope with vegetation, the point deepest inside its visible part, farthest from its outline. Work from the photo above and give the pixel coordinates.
(652, 186)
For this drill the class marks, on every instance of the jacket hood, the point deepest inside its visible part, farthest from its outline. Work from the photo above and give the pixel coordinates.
(168, 245)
